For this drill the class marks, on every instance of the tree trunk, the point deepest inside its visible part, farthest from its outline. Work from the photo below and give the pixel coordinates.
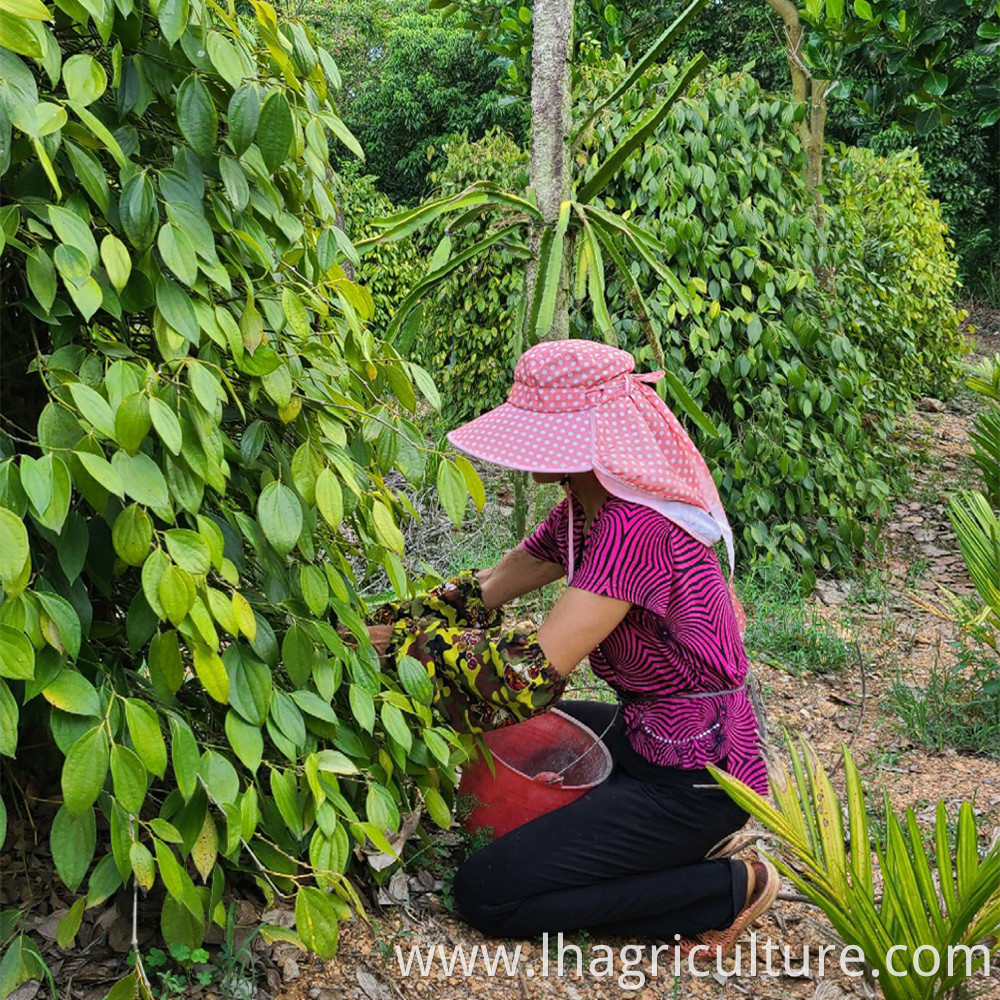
(551, 123)
(810, 92)
(789, 13)
(814, 149)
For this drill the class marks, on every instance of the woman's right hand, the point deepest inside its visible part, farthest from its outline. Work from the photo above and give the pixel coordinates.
(379, 635)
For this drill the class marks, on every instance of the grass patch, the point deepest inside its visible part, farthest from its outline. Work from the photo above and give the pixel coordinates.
(784, 631)
(959, 707)
(583, 682)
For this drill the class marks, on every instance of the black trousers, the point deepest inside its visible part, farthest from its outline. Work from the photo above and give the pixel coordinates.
(625, 859)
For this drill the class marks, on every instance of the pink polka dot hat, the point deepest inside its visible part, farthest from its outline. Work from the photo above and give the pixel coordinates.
(577, 405)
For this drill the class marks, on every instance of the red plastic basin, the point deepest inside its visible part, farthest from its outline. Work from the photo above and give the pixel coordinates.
(528, 758)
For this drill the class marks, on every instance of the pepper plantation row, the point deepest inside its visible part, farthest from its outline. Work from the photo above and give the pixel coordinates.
(198, 429)
(803, 338)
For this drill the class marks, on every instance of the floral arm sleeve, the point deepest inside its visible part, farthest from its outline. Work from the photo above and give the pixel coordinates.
(455, 602)
(483, 678)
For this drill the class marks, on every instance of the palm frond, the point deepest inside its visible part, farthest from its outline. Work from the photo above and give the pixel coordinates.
(958, 904)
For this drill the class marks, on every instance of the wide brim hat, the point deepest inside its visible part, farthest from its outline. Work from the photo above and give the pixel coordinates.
(577, 405)
(516, 438)
(547, 423)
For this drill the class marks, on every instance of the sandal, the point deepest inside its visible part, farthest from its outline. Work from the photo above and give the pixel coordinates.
(721, 943)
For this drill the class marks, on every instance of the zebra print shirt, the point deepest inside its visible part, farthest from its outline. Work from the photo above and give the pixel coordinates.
(679, 636)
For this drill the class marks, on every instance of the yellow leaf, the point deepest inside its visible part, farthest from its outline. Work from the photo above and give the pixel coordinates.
(51, 633)
(385, 527)
(290, 410)
(211, 672)
(244, 616)
(206, 848)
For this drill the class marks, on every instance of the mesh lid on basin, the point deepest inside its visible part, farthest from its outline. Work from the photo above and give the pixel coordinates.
(552, 742)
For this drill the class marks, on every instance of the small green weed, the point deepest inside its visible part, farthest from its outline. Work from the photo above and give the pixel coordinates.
(237, 974)
(959, 707)
(870, 588)
(442, 857)
(915, 572)
(386, 944)
(886, 758)
(785, 632)
(580, 939)
(172, 973)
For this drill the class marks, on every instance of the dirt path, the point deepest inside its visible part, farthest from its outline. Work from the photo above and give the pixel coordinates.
(897, 639)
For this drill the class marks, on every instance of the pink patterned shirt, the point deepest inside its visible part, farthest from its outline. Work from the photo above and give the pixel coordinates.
(679, 636)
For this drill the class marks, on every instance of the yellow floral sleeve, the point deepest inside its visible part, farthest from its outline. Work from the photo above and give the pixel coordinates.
(483, 678)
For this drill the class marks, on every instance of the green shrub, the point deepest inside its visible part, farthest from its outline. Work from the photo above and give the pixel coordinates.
(962, 171)
(805, 414)
(196, 431)
(722, 185)
(896, 276)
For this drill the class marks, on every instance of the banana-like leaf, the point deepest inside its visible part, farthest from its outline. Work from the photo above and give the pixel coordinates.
(910, 912)
(510, 200)
(890, 911)
(946, 874)
(753, 803)
(580, 271)
(408, 214)
(606, 237)
(549, 274)
(686, 404)
(643, 243)
(628, 230)
(926, 889)
(829, 818)
(902, 880)
(480, 195)
(463, 220)
(638, 299)
(520, 318)
(978, 530)
(805, 795)
(967, 850)
(421, 288)
(399, 226)
(595, 282)
(640, 132)
(684, 400)
(791, 808)
(985, 438)
(546, 278)
(985, 378)
(649, 59)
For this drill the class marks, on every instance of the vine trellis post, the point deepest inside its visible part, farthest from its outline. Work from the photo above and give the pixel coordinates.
(551, 125)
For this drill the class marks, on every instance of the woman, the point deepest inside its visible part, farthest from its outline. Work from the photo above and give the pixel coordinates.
(647, 602)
